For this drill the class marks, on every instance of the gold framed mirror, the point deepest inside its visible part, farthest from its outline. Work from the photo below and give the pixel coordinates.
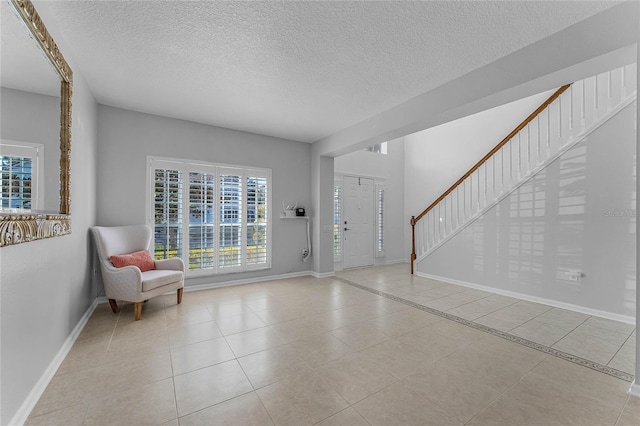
(20, 225)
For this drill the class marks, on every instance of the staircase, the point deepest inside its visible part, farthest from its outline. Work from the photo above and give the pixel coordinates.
(567, 117)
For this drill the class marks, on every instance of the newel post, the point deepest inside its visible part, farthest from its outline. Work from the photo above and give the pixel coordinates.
(413, 241)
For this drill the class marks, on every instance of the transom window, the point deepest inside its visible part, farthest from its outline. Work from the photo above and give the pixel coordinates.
(217, 218)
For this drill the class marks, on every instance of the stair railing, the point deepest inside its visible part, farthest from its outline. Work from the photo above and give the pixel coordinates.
(563, 120)
(468, 175)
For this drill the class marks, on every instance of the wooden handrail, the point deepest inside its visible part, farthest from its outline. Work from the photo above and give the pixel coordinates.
(529, 119)
(514, 132)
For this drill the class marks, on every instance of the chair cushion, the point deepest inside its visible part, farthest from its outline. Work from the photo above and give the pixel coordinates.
(158, 278)
(142, 259)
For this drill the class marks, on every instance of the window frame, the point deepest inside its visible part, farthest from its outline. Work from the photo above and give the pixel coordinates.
(35, 151)
(338, 202)
(217, 169)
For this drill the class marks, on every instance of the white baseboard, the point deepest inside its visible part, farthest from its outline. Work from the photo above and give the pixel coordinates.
(393, 262)
(557, 304)
(634, 390)
(252, 280)
(190, 288)
(321, 275)
(32, 399)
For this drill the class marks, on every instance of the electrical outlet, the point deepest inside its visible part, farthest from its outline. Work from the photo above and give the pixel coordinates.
(305, 252)
(575, 275)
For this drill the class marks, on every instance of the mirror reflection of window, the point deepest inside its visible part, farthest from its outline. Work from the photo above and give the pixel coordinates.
(30, 114)
(21, 168)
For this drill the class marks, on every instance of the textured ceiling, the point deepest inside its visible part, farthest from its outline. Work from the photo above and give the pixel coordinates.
(297, 70)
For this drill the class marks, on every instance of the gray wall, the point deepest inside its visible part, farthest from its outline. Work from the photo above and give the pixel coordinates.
(34, 118)
(127, 138)
(583, 220)
(45, 285)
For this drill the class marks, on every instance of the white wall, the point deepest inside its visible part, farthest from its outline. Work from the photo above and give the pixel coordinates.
(436, 158)
(389, 167)
(578, 214)
(18, 125)
(128, 137)
(46, 285)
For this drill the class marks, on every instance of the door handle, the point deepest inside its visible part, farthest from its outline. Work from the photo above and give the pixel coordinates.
(347, 229)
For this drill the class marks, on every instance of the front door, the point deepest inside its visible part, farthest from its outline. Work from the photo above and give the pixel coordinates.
(357, 222)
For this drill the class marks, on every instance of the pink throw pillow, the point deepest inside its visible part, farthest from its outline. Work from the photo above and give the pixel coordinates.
(141, 259)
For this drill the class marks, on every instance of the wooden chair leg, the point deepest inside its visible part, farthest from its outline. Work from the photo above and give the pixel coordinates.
(137, 310)
(114, 306)
(180, 295)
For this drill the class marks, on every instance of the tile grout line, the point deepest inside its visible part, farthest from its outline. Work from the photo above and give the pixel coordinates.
(507, 336)
(620, 348)
(506, 390)
(571, 331)
(622, 411)
(94, 395)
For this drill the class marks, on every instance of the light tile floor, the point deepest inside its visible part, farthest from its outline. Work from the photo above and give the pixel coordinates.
(606, 345)
(310, 351)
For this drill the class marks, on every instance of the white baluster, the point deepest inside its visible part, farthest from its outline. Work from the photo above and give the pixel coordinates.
(560, 116)
(470, 196)
(519, 158)
(629, 81)
(478, 185)
(439, 223)
(423, 237)
(433, 227)
(610, 77)
(589, 101)
(493, 180)
(457, 190)
(445, 221)
(617, 85)
(549, 132)
(528, 150)
(538, 140)
(500, 172)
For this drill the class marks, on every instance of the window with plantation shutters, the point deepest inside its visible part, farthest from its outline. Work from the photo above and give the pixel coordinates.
(167, 212)
(202, 221)
(21, 172)
(215, 217)
(231, 219)
(257, 216)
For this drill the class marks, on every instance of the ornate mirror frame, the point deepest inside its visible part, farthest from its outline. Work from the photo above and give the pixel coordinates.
(16, 228)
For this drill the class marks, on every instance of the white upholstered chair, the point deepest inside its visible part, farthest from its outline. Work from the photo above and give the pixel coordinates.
(129, 284)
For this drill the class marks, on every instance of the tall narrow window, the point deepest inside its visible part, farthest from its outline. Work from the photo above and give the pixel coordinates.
(201, 220)
(167, 210)
(216, 218)
(337, 219)
(379, 220)
(230, 216)
(256, 246)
